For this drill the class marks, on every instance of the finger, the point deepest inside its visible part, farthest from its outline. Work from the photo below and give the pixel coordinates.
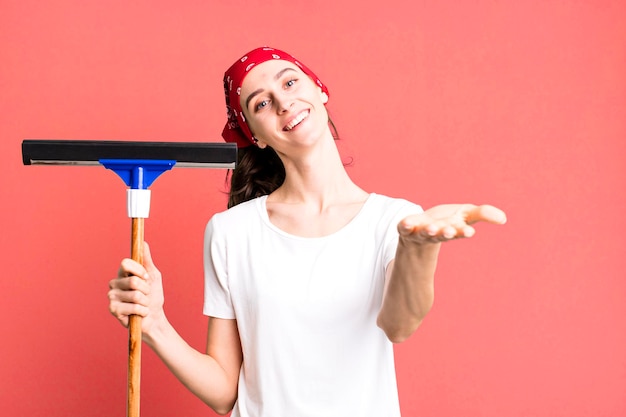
(468, 231)
(411, 224)
(122, 318)
(421, 228)
(122, 310)
(125, 303)
(130, 267)
(128, 296)
(435, 231)
(453, 231)
(486, 213)
(132, 283)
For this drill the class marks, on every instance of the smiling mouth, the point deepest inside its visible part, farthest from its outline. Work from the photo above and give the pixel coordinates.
(296, 120)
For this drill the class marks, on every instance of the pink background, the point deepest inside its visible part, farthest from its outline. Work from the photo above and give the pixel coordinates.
(521, 104)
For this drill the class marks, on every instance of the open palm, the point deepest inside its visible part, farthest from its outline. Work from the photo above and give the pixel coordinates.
(448, 221)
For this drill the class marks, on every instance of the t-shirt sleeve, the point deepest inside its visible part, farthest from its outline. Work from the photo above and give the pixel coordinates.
(217, 299)
(406, 208)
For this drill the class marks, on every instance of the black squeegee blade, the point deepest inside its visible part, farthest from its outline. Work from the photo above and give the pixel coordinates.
(89, 152)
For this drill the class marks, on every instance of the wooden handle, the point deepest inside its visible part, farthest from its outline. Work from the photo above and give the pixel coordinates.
(134, 329)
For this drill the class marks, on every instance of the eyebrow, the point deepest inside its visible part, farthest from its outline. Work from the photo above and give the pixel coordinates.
(260, 90)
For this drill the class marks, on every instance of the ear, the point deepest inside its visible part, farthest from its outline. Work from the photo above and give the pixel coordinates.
(259, 142)
(324, 97)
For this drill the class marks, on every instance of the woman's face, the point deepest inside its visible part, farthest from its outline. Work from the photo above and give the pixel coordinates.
(283, 106)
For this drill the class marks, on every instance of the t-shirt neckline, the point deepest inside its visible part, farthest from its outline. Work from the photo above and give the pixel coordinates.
(262, 211)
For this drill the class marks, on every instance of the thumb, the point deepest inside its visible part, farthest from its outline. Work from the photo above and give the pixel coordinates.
(147, 258)
(486, 213)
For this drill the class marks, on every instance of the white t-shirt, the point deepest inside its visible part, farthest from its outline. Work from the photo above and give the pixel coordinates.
(306, 310)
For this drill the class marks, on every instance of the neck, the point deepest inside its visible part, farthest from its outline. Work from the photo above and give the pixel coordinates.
(318, 177)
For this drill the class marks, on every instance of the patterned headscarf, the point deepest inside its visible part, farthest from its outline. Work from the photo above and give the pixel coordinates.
(237, 129)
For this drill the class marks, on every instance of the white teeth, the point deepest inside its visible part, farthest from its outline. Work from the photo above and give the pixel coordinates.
(297, 120)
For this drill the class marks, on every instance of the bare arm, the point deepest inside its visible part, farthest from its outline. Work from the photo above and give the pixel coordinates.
(409, 291)
(211, 376)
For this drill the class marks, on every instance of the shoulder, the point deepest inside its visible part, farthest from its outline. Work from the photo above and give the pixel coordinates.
(240, 217)
(393, 206)
(383, 213)
(240, 211)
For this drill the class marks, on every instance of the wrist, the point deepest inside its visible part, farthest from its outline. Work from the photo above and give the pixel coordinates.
(157, 331)
(419, 249)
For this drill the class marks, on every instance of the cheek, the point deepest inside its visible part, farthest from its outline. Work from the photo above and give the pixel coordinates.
(250, 121)
(323, 112)
(257, 124)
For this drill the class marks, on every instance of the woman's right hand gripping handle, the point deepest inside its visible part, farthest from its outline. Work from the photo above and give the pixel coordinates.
(138, 289)
(212, 376)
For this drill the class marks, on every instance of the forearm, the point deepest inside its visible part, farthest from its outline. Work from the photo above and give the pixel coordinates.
(409, 291)
(199, 372)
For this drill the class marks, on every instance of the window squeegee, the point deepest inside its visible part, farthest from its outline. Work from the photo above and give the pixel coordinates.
(138, 164)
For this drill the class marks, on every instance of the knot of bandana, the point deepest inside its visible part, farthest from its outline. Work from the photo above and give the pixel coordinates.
(237, 129)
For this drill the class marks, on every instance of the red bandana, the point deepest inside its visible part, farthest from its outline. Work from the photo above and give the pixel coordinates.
(236, 129)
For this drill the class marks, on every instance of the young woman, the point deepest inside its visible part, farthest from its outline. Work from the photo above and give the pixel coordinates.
(309, 279)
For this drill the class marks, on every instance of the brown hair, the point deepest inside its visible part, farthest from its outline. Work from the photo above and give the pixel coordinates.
(259, 171)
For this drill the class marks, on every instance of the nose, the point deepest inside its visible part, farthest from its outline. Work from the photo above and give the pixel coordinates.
(283, 103)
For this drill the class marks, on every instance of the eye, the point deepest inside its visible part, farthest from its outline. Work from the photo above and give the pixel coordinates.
(262, 104)
(291, 82)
